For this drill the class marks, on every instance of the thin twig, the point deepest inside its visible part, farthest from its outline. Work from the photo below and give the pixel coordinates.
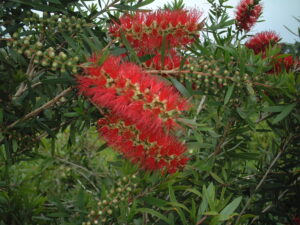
(202, 220)
(40, 109)
(203, 74)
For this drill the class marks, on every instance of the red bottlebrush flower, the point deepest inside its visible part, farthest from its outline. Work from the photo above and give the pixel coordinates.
(145, 30)
(283, 63)
(261, 41)
(296, 220)
(171, 61)
(151, 153)
(247, 13)
(133, 95)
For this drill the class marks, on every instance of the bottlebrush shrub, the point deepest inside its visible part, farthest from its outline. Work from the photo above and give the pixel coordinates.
(146, 30)
(151, 152)
(133, 94)
(247, 13)
(260, 42)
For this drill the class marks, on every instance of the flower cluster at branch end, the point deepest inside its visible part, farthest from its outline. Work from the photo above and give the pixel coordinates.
(247, 13)
(151, 152)
(143, 112)
(146, 30)
(134, 95)
(260, 42)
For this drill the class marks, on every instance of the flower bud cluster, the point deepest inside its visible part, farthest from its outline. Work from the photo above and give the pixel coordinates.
(209, 76)
(43, 56)
(247, 13)
(108, 206)
(56, 23)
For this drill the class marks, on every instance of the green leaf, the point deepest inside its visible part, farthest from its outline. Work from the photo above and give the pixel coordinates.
(154, 213)
(216, 177)
(154, 201)
(1, 116)
(285, 112)
(131, 51)
(163, 51)
(180, 87)
(231, 207)
(228, 94)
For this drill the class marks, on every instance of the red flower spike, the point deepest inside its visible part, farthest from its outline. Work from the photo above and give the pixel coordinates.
(162, 152)
(171, 61)
(133, 95)
(283, 63)
(261, 41)
(145, 30)
(247, 13)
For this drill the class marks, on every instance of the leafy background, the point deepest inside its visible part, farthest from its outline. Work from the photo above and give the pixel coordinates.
(243, 139)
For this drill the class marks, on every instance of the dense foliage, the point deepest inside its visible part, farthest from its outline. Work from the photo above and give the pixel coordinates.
(204, 118)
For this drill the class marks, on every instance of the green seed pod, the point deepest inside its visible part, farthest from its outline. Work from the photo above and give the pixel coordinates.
(100, 212)
(119, 189)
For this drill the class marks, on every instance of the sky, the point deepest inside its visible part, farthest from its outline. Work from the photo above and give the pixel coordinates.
(276, 14)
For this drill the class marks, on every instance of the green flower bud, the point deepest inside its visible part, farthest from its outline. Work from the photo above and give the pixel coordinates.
(15, 35)
(44, 63)
(26, 42)
(39, 44)
(129, 189)
(39, 53)
(62, 55)
(54, 64)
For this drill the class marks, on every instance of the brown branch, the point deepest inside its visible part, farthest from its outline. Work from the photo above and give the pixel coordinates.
(203, 74)
(40, 109)
(202, 220)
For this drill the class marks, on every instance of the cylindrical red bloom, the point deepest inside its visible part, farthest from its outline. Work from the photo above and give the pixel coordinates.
(162, 152)
(133, 95)
(247, 13)
(146, 31)
(171, 60)
(280, 64)
(261, 41)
